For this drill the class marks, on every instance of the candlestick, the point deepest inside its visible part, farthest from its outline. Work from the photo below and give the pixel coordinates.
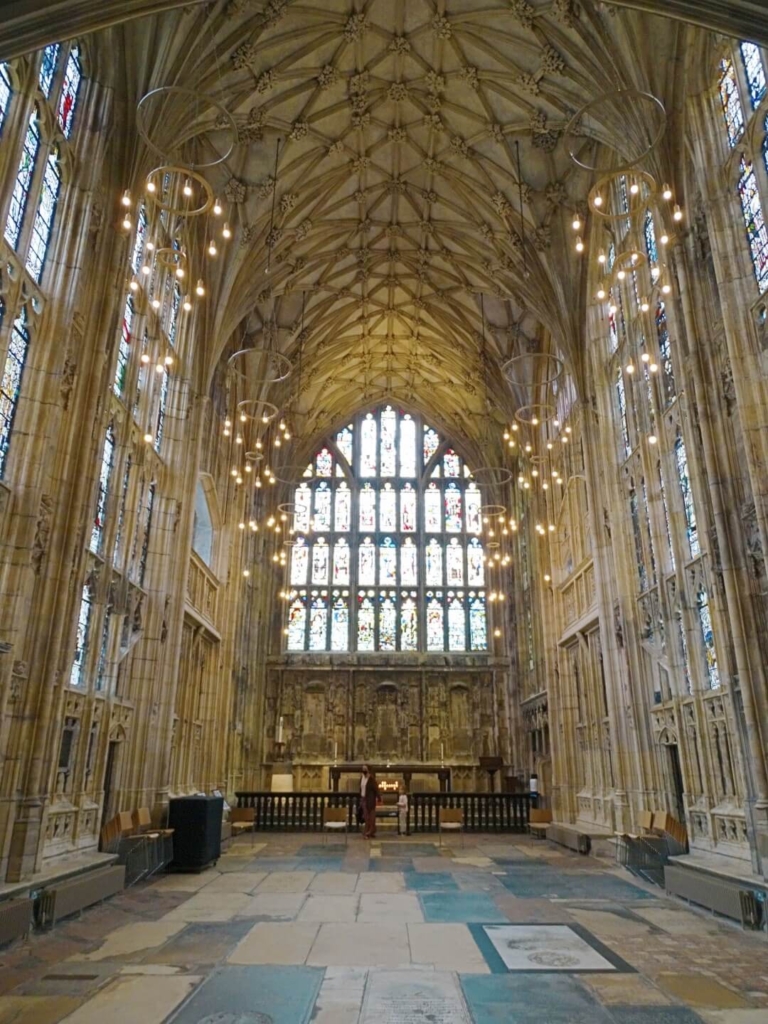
(280, 730)
(335, 751)
(442, 753)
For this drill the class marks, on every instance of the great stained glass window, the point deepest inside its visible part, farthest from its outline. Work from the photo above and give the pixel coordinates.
(148, 510)
(48, 67)
(691, 528)
(634, 511)
(10, 385)
(161, 410)
(649, 231)
(665, 353)
(24, 175)
(76, 677)
(124, 348)
(754, 222)
(5, 94)
(667, 526)
(754, 71)
(105, 474)
(708, 638)
(46, 211)
(729, 97)
(73, 75)
(399, 537)
(621, 400)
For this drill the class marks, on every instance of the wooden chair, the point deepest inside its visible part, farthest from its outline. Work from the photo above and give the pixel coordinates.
(539, 821)
(335, 819)
(451, 819)
(242, 819)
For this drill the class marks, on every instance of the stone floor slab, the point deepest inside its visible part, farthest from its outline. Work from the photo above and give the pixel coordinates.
(236, 881)
(338, 882)
(133, 938)
(282, 995)
(275, 942)
(341, 996)
(544, 947)
(360, 945)
(430, 881)
(460, 907)
(36, 1009)
(402, 997)
(679, 920)
(281, 906)
(218, 906)
(530, 999)
(624, 990)
(179, 882)
(654, 1015)
(286, 881)
(131, 999)
(531, 911)
(446, 947)
(391, 882)
(698, 990)
(404, 848)
(199, 944)
(324, 909)
(393, 907)
(714, 1016)
(608, 925)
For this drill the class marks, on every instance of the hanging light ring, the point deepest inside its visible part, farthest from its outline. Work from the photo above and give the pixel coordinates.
(290, 474)
(254, 456)
(257, 409)
(536, 413)
(278, 367)
(171, 258)
(222, 121)
(157, 178)
(489, 511)
(292, 508)
(544, 369)
(599, 198)
(492, 476)
(615, 137)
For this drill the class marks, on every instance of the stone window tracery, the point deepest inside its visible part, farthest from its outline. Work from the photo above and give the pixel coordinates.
(754, 72)
(24, 175)
(10, 384)
(733, 113)
(42, 225)
(5, 94)
(49, 64)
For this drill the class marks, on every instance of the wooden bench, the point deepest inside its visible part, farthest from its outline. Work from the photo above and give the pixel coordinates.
(450, 819)
(539, 821)
(242, 819)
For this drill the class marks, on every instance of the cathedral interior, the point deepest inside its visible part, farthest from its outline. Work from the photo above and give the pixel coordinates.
(384, 381)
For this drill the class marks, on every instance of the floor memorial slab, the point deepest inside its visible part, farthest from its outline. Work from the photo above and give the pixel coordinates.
(413, 997)
(547, 947)
(447, 947)
(135, 998)
(253, 995)
(360, 945)
(460, 907)
(275, 942)
(525, 999)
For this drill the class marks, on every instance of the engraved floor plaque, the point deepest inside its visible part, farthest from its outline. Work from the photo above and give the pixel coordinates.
(414, 997)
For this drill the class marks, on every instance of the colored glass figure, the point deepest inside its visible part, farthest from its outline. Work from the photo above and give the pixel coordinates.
(344, 443)
(101, 670)
(387, 622)
(121, 513)
(10, 385)
(435, 474)
(757, 236)
(173, 316)
(408, 509)
(322, 520)
(434, 556)
(147, 532)
(388, 508)
(432, 517)
(321, 557)
(478, 626)
(48, 67)
(124, 348)
(388, 561)
(309, 472)
(453, 508)
(367, 508)
(472, 502)
(754, 72)
(731, 102)
(684, 652)
(162, 406)
(475, 564)
(435, 619)
(73, 76)
(77, 675)
(366, 563)
(299, 563)
(648, 530)
(451, 463)
(366, 614)
(324, 463)
(692, 530)
(667, 526)
(318, 621)
(368, 446)
(651, 247)
(105, 474)
(407, 446)
(651, 406)
(431, 443)
(24, 175)
(297, 622)
(665, 353)
(708, 638)
(454, 563)
(610, 258)
(341, 563)
(621, 400)
(613, 333)
(5, 94)
(342, 519)
(140, 240)
(457, 623)
(638, 538)
(340, 621)
(409, 563)
(303, 500)
(409, 622)
(388, 464)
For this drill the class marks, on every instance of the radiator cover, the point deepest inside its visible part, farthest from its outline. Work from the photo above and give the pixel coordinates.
(15, 919)
(74, 894)
(565, 836)
(706, 890)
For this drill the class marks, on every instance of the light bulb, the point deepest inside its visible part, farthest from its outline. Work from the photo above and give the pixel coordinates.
(678, 214)
(534, 472)
(549, 446)
(200, 289)
(666, 288)
(168, 360)
(227, 433)
(233, 472)
(645, 357)
(239, 439)
(257, 482)
(505, 435)
(634, 188)
(545, 486)
(155, 303)
(126, 198)
(601, 256)
(511, 444)
(653, 368)
(598, 200)
(556, 422)
(664, 239)
(243, 417)
(652, 439)
(551, 528)
(148, 438)
(576, 225)
(547, 577)
(188, 187)
(666, 191)
(254, 525)
(227, 232)
(644, 305)
(535, 421)
(212, 250)
(134, 285)
(180, 273)
(265, 418)
(217, 208)
(287, 436)
(187, 306)
(526, 485)
(145, 358)
(151, 186)
(579, 245)
(568, 430)
(151, 245)
(497, 632)
(146, 270)
(601, 293)
(248, 467)
(246, 573)
(127, 223)
(277, 442)
(238, 479)
(241, 526)
(612, 309)
(630, 368)
(259, 445)
(621, 275)
(515, 427)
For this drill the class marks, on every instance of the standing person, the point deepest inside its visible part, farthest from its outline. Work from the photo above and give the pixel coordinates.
(369, 792)
(402, 812)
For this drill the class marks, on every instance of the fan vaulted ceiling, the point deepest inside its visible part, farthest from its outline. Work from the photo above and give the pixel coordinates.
(397, 198)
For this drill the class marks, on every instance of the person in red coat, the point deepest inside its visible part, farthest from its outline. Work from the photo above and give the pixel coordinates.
(369, 794)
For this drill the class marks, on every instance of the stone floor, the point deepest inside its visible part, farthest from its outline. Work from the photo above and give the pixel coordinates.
(400, 931)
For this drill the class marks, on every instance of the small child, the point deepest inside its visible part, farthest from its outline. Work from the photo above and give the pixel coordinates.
(402, 812)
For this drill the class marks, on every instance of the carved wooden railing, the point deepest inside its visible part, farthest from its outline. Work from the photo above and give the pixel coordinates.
(303, 812)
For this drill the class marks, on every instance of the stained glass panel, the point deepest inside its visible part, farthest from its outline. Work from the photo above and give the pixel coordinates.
(757, 236)
(161, 409)
(638, 538)
(451, 463)
(10, 385)
(478, 628)
(24, 175)
(454, 564)
(366, 563)
(368, 446)
(409, 563)
(321, 557)
(324, 463)
(409, 622)
(432, 517)
(344, 443)
(366, 613)
(708, 639)
(48, 66)
(388, 561)
(649, 230)
(387, 622)
(435, 627)
(665, 506)
(648, 529)
(340, 621)
(173, 318)
(301, 518)
(322, 519)
(105, 473)
(367, 508)
(299, 563)
(473, 501)
(388, 465)
(434, 556)
(124, 348)
(408, 509)
(431, 443)
(148, 510)
(5, 94)
(73, 74)
(342, 509)
(457, 625)
(453, 508)
(729, 98)
(140, 240)
(297, 621)
(76, 676)
(318, 621)
(665, 353)
(407, 446)
(621, 400)
(613, 333)
(475, 564)
(388, 508)
(754, 72)
(341, 562)
(692, 531)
